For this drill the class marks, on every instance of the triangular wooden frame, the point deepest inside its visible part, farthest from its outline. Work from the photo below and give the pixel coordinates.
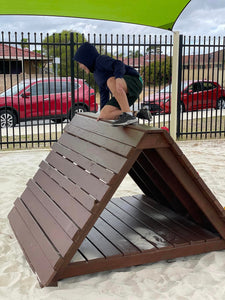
(66, 224)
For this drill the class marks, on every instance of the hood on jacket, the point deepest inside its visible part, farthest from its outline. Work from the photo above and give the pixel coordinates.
(86, 55)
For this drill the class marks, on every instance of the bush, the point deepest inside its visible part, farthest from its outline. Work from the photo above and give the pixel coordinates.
(157, 73)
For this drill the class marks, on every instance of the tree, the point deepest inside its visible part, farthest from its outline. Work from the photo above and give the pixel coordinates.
(24, 43)
(157, 73)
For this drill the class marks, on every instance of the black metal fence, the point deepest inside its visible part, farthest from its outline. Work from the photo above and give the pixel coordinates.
(41, 87)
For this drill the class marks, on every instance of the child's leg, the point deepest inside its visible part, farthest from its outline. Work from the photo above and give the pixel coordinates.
(118, 88)
(109, 112)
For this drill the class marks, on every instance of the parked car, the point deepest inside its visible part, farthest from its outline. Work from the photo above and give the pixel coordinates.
(44, 99)
(194, 96)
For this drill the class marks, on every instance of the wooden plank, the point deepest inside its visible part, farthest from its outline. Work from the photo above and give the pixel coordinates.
(62, 219)
(205, 205)
(69, 205)
(50, 252)
(89, 251)
(99, 265)
(85, 163)
(127, 231)
(153, 140)
(166, 233)
(115, 237)
(102, 243)
(151, 175)
(102, 141)
(101, 156)
(51, 228)
(83, 179)
(182, 221)
(174, 183)
(73, 189)
(179, 228)
(31, 249)
(137, 226)
(126, 135)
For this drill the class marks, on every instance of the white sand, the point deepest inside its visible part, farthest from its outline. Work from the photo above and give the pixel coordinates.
(196, 277)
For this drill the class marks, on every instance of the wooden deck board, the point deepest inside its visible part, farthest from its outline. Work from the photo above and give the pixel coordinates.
(67, 224)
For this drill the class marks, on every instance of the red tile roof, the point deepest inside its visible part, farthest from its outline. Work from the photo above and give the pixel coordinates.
(7, 52)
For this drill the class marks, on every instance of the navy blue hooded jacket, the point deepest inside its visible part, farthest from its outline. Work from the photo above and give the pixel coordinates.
(103, 67)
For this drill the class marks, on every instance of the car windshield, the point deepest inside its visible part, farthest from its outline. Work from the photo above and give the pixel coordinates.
(168, 88)
(13, 90)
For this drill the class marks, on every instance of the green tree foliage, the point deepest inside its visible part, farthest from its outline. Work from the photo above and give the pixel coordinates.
(57, 45)
(157, 73)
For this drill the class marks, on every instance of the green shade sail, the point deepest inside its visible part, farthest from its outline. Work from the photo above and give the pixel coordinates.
(160, 13)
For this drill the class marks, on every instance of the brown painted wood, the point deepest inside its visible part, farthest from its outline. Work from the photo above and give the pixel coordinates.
(50, 252)
(65, 213)
(83, 162)
(102, 141)
(49, 225)
(69, 205)
(126, 135)
(73, 189)
(210, 210)
(85, 180)
(62, 219)
(180, 220)
(157, 226)
(101, 156)
(99, 265)
(31, 248)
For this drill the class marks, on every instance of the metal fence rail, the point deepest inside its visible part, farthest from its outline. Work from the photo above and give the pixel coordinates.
(41, 86)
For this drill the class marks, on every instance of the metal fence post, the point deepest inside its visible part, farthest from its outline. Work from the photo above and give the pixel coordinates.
(175, 76)
(72, 74)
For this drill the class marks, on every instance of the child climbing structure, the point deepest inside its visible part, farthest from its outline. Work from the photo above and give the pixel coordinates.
(68, 224)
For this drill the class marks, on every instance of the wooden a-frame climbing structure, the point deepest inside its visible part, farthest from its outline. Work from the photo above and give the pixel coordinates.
(67, 224)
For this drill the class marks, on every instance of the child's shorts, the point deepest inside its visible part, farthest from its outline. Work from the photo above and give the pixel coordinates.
(134, 87)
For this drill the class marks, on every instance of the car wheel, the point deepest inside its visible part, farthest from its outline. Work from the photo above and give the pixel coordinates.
(79, 108)
(57, 121)
(7, 119)
(182, 108)
(220, 103)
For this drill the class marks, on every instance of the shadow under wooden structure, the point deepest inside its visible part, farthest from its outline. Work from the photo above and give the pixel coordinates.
(67, 224)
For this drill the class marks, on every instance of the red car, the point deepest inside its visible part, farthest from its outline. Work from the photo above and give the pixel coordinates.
(194, 96)
(44, 99)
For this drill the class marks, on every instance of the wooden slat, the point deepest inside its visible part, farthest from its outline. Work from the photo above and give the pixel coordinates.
(102, 243)
(161, 215)
(62, 219)
(182, 221)
(101, 156)
(166, 233)
(210, 210)
(118, 240)
(142, 229)
(102, 141)
(48, 249)
(31, 249)
(151, 175)
(69, 205)
(99, 265)
(89, 251)
(86, 181)
(91, 166)
(73, 189)
(55, 233)
(125, 135)
(126, 230)
(174, 183)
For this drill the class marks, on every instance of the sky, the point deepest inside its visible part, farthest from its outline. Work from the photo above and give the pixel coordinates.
(200, 18)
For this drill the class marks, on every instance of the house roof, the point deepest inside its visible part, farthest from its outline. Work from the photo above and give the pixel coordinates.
(16, 53)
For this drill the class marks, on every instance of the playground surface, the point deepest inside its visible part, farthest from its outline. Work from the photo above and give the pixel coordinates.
(194, 277)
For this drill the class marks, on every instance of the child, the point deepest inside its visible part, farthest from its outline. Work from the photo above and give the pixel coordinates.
(112, 75)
